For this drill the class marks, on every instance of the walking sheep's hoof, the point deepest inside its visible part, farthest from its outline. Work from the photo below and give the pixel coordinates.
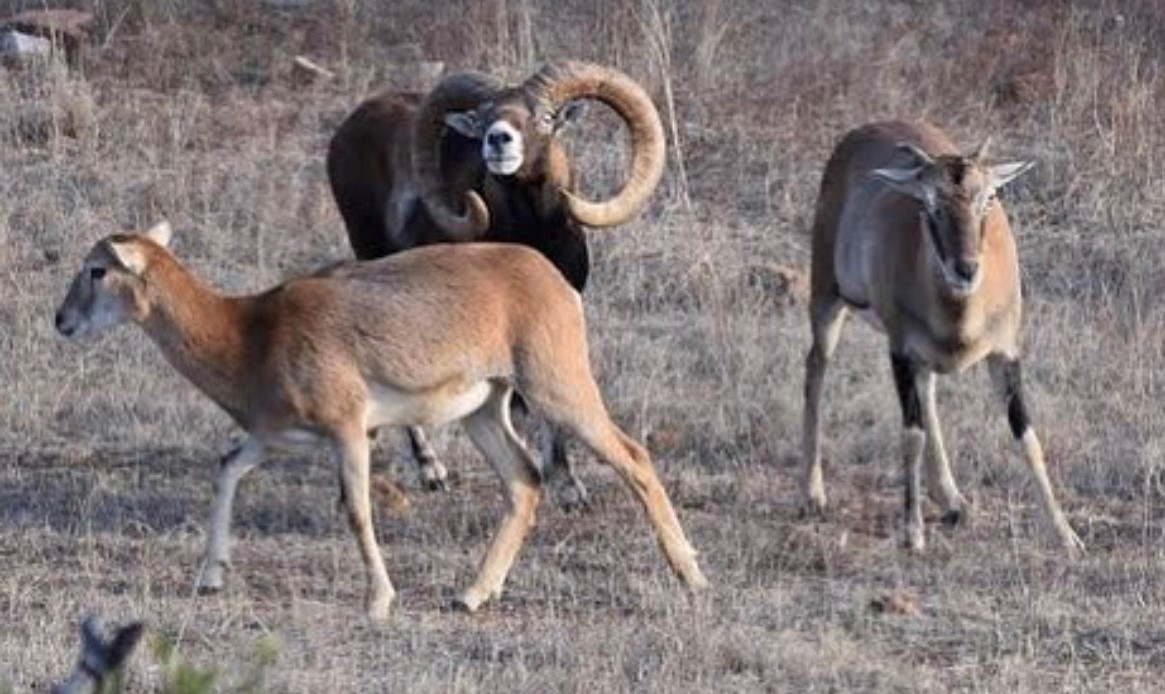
(1072, 543)
(470, 601)
(377, 609)
(953, 517)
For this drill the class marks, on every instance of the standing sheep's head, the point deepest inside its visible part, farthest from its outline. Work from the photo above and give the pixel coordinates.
(517, 127)
(956, 196)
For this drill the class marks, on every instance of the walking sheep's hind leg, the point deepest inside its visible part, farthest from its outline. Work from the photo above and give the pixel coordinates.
(558, 473)
(493, 433)
(558, 476)
(573, 402)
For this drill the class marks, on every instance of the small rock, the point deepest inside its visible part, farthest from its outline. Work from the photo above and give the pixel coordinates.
(786, 284)
(895, 603)
(16, 47)
(389, 496)
(65, 28)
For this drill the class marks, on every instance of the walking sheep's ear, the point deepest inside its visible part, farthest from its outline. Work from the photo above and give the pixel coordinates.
(160, 233)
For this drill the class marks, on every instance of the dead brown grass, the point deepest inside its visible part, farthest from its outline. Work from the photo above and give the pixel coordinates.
(189, 111)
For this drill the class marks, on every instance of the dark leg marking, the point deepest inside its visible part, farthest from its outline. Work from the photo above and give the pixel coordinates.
(904, 371)
(1012, 382)
(905, 379)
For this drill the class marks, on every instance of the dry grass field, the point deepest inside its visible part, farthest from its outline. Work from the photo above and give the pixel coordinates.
(190, 111)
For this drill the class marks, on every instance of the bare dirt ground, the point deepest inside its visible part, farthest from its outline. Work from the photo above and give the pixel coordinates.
(189, 111)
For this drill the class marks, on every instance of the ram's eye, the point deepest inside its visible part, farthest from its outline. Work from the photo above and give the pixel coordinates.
(96, 273)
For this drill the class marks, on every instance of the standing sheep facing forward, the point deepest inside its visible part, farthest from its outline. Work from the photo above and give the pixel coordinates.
(909, 233)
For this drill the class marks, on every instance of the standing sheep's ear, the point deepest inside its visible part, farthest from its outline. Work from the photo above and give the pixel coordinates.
(160, 233)
(913, 182)
(464, 123)
(1001, 174)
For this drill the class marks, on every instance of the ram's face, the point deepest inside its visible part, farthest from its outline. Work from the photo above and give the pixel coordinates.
(515, 131)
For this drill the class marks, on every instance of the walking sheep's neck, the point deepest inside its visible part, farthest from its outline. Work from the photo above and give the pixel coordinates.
(200, 332)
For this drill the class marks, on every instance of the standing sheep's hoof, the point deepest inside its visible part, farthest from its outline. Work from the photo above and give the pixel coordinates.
(953, 517)
(914, 541)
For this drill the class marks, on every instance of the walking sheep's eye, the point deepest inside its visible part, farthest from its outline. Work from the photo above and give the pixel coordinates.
(97, 273)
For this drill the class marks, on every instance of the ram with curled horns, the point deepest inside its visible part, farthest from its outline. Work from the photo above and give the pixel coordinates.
(478, 160)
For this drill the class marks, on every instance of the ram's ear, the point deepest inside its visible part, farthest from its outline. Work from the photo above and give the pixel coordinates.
(160, 233)
(464, 123)
(569, 115)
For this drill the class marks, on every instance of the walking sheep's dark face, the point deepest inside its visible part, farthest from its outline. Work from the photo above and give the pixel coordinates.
(514, 132)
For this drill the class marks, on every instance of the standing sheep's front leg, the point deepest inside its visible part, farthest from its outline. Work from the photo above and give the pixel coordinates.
(234, 466)
(1007, 376)
(911, 379)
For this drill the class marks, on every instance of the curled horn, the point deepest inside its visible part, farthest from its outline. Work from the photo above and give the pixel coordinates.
(457, 92)
(555, 84)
